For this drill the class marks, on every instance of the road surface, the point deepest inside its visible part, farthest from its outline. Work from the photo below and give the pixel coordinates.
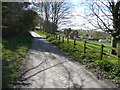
(48, 67)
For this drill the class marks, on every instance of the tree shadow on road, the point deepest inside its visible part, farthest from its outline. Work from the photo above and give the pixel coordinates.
(21, 75)
(43, 45)
(43, 70)
(70, 79)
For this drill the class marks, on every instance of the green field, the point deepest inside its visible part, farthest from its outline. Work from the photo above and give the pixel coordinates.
(91, 46)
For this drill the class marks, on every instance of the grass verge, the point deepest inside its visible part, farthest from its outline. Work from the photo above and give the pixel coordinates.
(14, 51)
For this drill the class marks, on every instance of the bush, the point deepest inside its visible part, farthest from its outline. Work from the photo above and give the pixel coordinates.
(104, 65)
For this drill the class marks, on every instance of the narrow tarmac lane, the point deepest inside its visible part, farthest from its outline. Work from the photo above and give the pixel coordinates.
(49, 68)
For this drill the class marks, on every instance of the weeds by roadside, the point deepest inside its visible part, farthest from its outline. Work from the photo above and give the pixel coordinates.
(14, 51)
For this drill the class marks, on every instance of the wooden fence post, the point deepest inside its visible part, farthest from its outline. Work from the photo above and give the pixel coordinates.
(74, 42)
(101, 52)
(62, 38)
(59, 38)
(118, 50)
(67, 40)
(84, 49)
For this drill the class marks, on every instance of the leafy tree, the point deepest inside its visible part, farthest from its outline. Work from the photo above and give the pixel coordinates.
(18, 18)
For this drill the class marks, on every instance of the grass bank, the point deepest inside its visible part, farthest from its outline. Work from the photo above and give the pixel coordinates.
(14, 51)
(109, 67)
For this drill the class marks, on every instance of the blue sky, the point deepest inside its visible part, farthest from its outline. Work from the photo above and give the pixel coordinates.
(77, 22)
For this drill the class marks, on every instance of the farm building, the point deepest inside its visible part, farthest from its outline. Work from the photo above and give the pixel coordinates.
(73, 34)
(70, 33)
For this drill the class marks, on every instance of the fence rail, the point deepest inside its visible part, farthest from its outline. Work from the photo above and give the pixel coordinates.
(93, 43)
(85, 47)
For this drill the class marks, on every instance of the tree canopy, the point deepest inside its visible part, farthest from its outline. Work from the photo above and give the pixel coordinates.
(17, 18)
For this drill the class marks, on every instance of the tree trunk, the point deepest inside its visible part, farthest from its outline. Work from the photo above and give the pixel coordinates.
(114, 45)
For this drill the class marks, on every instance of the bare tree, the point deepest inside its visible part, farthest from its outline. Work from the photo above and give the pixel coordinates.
(53, 14)
(105, 15)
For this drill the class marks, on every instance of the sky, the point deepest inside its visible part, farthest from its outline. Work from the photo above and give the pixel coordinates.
(77, 10)
(76, 21)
